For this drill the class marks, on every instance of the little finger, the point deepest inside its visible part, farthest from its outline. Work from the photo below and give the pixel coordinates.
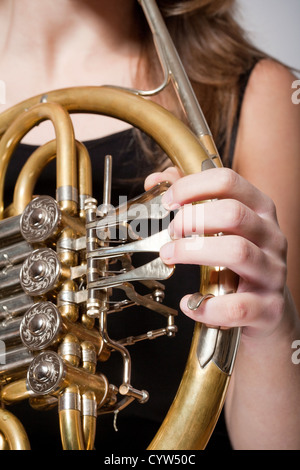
(257, 313)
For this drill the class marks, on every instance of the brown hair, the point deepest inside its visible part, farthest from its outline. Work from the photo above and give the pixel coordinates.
(216, 55)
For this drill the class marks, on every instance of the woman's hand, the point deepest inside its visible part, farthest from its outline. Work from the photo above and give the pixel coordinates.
(252, 245)
(263, 395)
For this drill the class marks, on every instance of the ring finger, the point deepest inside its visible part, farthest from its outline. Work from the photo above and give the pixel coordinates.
(234, 252)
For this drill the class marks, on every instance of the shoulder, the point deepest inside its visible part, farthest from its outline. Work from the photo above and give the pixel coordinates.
(270, 86)
(270, 89)
(268, 112)
(268, 138)
(269, 69)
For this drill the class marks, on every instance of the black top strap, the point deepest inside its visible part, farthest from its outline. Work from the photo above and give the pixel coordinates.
(244, 79)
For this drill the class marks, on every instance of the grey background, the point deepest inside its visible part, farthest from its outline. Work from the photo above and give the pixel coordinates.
(274, 26)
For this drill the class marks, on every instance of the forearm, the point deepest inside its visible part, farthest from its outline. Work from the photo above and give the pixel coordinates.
(262, 407)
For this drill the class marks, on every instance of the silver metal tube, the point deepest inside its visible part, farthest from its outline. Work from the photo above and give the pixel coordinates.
(107, 182)
(9, 230)
(16, 359)
(10, 331)
(14, 254)
(14, 305)
(10, 280)
(179, 77)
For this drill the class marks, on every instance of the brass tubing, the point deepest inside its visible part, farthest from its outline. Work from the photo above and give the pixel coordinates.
(77, 433)
(33, 167)
(201, 395)
(43, 403)
(168, 131)
(29, 175)
(70, 419)
(66, 153)
(89, 419)
(68, 308)
(71, 430)
(85, 186)
(97, 383)
(85, 334)
(89, 424)
(13, 431)
(15, 392)
(3, 442)
(189, 155)
(89, 357)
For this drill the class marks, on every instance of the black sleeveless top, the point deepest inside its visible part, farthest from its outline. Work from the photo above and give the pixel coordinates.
(157, 365)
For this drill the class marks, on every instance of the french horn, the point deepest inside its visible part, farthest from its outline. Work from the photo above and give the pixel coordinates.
(55, 255)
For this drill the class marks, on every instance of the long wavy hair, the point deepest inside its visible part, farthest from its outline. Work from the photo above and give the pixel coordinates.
(216, 54)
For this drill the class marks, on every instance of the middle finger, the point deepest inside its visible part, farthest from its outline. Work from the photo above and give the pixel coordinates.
(227, 216)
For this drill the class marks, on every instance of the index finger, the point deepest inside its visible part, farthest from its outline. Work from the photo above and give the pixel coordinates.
(217, 183)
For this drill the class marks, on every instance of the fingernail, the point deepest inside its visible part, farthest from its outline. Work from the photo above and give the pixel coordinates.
(150, 181)
(167, 200)
(183, 304)
(167, 251)
(171, 229)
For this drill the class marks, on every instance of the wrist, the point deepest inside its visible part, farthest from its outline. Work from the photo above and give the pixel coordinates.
(278, 339)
